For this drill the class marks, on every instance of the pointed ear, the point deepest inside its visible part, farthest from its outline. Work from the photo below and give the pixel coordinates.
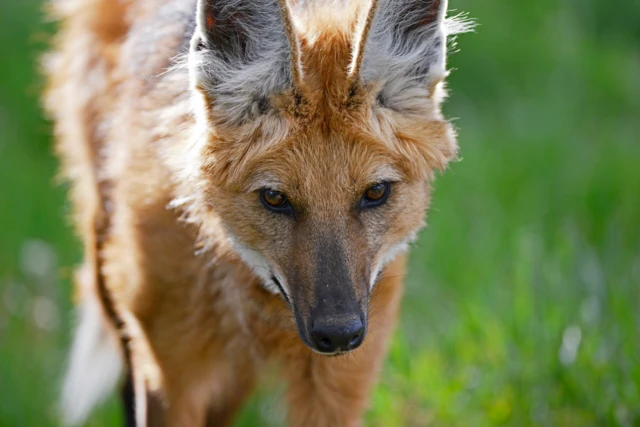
(242, 52)
(402, 45)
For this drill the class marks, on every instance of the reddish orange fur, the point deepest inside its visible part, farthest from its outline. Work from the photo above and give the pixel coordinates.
(202, 328)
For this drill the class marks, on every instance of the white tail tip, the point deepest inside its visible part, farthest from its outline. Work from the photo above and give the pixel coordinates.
(95, 365)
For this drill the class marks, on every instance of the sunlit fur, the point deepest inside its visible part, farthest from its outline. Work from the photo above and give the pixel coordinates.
(166, 136)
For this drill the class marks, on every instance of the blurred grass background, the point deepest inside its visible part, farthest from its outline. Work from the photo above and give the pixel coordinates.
(523, 301)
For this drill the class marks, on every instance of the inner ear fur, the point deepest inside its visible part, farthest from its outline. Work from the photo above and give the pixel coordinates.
(401, 45)
(242, 52)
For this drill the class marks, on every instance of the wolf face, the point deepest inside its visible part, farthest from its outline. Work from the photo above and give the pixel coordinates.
(316, 145)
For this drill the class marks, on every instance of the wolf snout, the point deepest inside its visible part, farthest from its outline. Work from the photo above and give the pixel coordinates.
(333, 334)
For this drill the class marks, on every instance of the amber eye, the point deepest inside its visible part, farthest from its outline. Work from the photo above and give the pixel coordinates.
(375, 195)
(275, 200)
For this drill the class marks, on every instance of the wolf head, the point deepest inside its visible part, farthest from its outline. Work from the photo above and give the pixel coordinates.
(319, 130)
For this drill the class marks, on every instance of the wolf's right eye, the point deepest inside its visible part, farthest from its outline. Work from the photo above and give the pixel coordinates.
(275, 201)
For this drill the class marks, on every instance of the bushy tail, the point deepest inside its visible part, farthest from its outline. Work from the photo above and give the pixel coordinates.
(95, 364)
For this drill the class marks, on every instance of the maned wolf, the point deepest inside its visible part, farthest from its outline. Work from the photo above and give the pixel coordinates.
(245, 176)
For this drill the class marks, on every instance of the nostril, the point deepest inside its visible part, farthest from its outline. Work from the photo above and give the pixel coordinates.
(358, 337)
(323, 343)
(355, 341)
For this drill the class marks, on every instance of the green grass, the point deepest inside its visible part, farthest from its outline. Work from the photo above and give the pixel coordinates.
(523, 299)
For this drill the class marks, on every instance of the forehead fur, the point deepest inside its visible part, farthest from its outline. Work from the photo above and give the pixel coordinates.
(345, 145)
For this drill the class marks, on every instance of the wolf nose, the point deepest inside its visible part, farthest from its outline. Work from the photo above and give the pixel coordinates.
(334, 333)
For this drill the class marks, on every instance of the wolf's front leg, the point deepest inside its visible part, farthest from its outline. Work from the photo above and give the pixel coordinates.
(327, 391)
(190, 361)
(177, 385)
(162, 396)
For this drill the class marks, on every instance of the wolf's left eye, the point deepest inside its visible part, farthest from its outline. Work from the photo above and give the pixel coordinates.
(375, 195)
(275, 200)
